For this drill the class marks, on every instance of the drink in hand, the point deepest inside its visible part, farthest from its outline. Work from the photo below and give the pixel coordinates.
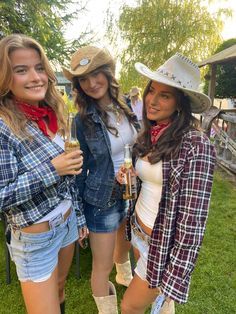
(71, 146)
(130, 186)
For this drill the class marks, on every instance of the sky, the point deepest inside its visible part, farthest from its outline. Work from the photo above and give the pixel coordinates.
(96, 13)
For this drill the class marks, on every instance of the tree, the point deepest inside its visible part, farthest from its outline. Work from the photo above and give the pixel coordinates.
(225, 74)
(45, 21)
(154, 30)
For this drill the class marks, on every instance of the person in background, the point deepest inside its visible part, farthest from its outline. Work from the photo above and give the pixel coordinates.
(136, 103)
(38, 194)
(175, 163)
(105, 124)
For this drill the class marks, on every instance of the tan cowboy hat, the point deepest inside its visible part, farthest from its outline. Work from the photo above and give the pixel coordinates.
(88, 59)
(181, 73)
(134, 91)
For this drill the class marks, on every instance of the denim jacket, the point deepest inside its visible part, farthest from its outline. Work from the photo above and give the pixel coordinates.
(97, 179)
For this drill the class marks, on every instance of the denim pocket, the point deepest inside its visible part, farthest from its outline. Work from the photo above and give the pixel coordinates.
(31, 241)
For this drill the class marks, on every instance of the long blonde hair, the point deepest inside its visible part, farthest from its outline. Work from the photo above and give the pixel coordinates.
(9, 112)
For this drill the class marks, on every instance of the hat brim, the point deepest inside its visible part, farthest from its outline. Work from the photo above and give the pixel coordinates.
(69, 74)
(199, 101)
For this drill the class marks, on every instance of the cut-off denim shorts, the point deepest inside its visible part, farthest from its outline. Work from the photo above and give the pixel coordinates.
(36, 254)
(143, 247)
(104, 220)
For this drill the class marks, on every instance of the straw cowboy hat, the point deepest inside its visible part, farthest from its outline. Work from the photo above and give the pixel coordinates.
(88, 59)
(134, 91)
(181, 73)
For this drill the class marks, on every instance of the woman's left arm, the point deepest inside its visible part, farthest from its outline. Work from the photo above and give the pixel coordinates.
(193, 203)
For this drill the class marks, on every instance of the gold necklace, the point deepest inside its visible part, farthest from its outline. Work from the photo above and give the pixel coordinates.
(117, 112)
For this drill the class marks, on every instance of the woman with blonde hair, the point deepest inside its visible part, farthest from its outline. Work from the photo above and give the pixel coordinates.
(105, 124)
(37, 190)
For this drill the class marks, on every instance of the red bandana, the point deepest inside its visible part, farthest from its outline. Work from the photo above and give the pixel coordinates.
(157, 130)
(37, 114)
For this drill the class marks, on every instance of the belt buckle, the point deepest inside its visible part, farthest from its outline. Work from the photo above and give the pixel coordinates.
(56, 221)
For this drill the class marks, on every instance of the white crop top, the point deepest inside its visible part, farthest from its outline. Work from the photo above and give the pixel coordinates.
(150, 195)
(126, 135)
(65, 204)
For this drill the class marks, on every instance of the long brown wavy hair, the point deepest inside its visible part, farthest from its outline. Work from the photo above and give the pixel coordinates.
(9, 112)
(169, 142)
(83, 101)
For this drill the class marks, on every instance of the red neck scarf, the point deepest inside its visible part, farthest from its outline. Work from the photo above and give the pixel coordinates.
(37, 114)
(157, 130)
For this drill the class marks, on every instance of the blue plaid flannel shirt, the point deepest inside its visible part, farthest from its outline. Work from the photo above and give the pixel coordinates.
(29, 185)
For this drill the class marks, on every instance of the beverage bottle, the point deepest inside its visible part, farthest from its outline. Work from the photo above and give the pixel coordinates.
(71, 141)
(130, 185)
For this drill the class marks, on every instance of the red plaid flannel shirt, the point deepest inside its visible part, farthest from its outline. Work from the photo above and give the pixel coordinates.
(181, 220)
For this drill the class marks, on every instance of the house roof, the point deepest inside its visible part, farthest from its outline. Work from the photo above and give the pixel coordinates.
(221, 57)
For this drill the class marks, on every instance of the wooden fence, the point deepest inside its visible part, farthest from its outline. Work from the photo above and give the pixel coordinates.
(221, 127)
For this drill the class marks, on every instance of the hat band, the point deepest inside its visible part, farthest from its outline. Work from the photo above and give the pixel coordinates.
(172, 77)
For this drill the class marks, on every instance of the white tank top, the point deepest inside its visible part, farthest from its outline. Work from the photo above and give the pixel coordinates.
(150, 195)
(126, 135)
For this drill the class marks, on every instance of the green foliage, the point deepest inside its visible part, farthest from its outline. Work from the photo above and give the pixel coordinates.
(154, 30)
(225, 75)
(45, 21)
(213, 285)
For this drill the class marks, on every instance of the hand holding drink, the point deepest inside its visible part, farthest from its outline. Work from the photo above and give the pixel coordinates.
(71, 161)
(130, 184)
(71, 141)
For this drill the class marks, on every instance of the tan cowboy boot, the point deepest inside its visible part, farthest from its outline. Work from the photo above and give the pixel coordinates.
(124, 273)
(107, 304)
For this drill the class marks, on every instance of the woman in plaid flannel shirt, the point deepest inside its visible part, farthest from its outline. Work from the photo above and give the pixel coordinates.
(175, 162)
(37, 190)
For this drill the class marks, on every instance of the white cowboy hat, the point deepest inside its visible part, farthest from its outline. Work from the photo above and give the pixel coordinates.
(181, 73)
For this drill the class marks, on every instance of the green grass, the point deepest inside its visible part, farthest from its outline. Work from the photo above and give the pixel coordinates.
(213, 283)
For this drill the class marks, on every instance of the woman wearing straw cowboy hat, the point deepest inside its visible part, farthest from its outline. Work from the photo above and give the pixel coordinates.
(105, 124)
(175, 163)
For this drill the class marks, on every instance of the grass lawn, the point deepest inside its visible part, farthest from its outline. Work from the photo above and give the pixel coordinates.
(213, 284)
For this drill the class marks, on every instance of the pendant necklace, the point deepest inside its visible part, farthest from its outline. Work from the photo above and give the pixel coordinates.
(116, 110)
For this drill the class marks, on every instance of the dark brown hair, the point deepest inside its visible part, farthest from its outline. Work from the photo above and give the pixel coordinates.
(83, 101)
(169, 142)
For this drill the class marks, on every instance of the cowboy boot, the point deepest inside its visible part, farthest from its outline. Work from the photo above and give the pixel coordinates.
(107, 304)
(124, 273)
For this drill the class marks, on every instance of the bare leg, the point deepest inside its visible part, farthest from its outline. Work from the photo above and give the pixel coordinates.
(102, 246)
(42, 297)
(137, 297)
(64, 263)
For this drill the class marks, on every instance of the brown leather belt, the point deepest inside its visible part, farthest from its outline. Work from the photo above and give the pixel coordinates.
(138, 231)
(45, 225)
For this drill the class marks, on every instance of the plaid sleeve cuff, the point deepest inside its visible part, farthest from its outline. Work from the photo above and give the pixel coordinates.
(81, 222)
(48, 174)
(175, 288)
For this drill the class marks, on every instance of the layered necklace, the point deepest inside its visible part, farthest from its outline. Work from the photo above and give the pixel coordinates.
(116, 110)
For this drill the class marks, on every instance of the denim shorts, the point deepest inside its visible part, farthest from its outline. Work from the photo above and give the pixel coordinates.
(36, 254)
(104, 220)
(143, 248)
